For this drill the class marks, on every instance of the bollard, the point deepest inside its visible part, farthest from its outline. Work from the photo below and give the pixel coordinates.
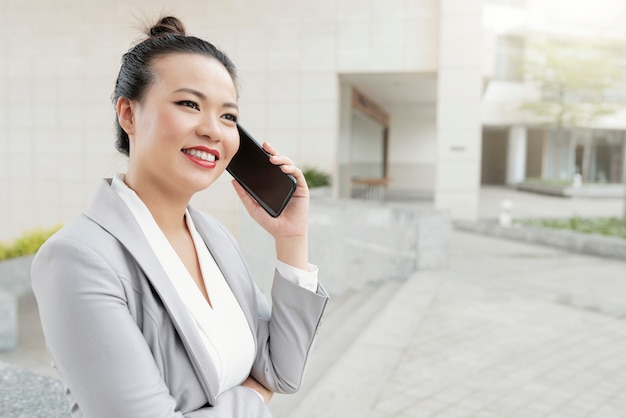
(506, 218)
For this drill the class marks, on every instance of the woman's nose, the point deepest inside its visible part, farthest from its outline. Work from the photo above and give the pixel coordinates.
(210, 128)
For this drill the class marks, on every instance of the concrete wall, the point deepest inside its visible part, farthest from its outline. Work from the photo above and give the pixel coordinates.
(60, 59)
(366, 152)
(412, 147)
(355, 242)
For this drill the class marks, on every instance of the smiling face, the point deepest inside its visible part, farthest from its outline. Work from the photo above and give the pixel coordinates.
(183, 131)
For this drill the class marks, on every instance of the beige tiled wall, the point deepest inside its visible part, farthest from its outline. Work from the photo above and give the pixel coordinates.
(59, 59)
(458, 108)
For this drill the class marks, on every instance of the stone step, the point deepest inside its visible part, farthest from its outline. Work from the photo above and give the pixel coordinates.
(346, 316)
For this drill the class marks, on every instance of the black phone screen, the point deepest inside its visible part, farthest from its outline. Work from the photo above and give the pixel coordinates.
(265, 182)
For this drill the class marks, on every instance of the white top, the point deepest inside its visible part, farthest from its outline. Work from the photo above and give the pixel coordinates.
(222, 326)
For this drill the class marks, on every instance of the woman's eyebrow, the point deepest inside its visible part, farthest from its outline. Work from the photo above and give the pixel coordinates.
(200, 95)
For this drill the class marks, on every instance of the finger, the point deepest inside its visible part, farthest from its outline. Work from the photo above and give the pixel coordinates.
(281, 160)
(290, 168)
(275, 157)
(269, 148)
(295, 172)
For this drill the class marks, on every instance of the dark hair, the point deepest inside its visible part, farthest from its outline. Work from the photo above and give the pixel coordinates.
(136, 74)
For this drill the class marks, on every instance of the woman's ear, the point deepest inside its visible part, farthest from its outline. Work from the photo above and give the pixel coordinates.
(125, 115)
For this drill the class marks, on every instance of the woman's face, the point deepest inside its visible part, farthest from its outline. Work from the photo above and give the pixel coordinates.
(184, 128)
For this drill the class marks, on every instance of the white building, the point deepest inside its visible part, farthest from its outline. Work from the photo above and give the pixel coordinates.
(518, 145)
(420, 69)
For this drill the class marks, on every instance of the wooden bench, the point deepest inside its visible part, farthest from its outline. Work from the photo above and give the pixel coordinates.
(375, 188)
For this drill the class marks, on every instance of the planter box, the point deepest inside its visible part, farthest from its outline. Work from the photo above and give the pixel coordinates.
(320, 192)
(8, 321)
(356, 242)
(586, 190)
(14, 283)
(592, 244)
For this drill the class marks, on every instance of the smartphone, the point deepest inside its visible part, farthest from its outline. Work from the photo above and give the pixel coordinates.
(265, 182)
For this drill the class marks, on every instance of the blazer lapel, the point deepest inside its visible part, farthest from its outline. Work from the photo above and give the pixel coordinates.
(230, 262)
(109, 211)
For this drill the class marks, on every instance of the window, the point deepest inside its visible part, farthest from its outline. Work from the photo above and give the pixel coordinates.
(509, 52)
(607, 164)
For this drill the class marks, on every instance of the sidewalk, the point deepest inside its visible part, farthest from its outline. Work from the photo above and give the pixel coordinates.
(509, 330)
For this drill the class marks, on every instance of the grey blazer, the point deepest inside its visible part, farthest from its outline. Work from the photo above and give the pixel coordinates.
(122, 340)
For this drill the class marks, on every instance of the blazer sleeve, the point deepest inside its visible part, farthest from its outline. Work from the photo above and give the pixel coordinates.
(97, 347)
(286, 333)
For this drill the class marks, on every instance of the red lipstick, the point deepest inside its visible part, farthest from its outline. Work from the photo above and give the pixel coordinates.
(202, 156)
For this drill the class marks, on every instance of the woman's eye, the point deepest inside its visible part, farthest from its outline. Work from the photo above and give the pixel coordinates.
(189, 104)
(230, 117)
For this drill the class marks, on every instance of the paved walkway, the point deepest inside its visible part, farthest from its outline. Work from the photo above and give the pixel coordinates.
(509, 330)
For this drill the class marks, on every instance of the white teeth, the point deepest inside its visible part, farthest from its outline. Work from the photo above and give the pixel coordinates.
(203, 155)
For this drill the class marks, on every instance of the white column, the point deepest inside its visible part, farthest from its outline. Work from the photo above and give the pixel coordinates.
(546, 155)
(516, 155)
(624, 165)
(344, 174)
(457, 178)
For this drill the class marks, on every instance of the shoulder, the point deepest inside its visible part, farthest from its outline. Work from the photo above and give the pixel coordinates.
(81, 245)
(82, 233)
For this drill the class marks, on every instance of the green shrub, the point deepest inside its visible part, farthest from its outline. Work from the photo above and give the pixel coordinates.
(560, 182)
(614, 227)
(27, 244)
(315, 177)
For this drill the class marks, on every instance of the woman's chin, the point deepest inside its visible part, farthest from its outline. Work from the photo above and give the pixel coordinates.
(200, 183)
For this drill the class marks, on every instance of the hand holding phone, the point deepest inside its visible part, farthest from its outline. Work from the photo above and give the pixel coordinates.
(264, 181)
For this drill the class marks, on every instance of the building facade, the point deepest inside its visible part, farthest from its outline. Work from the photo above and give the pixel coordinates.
(579, 41)
(424, 95)
(299, 64)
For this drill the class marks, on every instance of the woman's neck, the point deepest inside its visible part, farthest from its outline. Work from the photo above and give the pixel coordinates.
(167, 207)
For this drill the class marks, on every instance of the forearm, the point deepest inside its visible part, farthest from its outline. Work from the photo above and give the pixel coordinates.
(265, 393)
(293, 251)
(237, 402)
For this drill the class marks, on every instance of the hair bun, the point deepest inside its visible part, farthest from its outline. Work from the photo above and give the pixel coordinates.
(168, 25)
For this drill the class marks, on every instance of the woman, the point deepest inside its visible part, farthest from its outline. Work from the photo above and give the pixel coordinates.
(147, 306)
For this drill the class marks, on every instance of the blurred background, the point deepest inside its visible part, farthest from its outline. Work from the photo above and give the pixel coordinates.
(437, 98)
(413, 116)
